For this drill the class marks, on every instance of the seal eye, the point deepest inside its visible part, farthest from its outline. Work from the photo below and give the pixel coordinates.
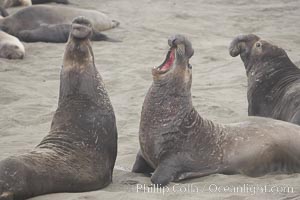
(258, 44)
(190, 66)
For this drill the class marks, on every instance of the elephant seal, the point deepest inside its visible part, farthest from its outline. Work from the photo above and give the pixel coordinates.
(11, 47)
(273, 79)
(13, 3)
(176, 143)
(80, 151)
(49, 1)
(45, 23)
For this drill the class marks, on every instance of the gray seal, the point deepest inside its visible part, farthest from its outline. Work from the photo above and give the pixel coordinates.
(79, 153)
(176, 143)
(273, 79)
(13, 3)
(11, 47)
(45, 23)
(50, 1)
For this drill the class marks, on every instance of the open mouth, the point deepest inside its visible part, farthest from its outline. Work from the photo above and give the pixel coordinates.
(167, 64)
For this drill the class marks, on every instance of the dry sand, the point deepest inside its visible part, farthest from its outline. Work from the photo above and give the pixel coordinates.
(29, 87)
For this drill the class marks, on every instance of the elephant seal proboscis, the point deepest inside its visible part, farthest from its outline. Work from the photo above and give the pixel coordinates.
(46, 23)
(176, 143)
(11, 47)
(273, 79)
(80, 151)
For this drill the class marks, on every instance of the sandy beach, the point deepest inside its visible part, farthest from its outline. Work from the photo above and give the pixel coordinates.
(29, 88)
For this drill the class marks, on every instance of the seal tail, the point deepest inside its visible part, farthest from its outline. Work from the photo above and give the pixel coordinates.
(3, 12)
(115, 23)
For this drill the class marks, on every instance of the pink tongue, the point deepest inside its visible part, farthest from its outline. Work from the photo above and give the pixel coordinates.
(168, 63)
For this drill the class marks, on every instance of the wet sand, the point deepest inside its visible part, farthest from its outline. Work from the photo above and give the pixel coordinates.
(29, 87)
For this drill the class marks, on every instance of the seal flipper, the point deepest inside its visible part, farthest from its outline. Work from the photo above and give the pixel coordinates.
(141, 166)
(56, 33)
(97, 36)
(166, 172)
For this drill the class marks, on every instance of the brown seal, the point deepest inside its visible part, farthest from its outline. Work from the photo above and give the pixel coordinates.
(273, 79)
(79, 152)
(177, 143)
(45, 23)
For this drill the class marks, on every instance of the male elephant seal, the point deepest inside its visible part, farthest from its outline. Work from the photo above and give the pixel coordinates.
(273, 79)
(11, 47)
(79, 152)
(45, 23)
(13, 3)
(177, 143)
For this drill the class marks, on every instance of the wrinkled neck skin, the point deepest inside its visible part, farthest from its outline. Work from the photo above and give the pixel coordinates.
(265, 78)
(167, 102)
(79, 76)
(83, 101)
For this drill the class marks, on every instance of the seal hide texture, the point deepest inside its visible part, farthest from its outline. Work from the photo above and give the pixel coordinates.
(14, 3)
(80, 150)
(49, 1)
(273, 79)
(176, 143)
(45, 23)
(11, 47)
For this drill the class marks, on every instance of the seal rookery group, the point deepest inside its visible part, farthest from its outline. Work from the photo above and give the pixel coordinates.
(45, 23)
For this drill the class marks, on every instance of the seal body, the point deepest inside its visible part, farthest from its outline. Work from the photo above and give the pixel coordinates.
(47, 23)
(273, 79)
(176, 143)
(50, 1)
(11, 47)
(80, 150)
(13, 3)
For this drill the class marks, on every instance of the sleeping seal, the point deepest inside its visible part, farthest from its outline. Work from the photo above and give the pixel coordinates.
(273, 79)
(11, 47)
(49, 1)
(176, 143)
(79, 152)
(13, 3)
(45, 23)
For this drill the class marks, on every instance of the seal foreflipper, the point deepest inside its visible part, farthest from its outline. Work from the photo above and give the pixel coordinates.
(97, 36)
(141, 165)
(167, 171)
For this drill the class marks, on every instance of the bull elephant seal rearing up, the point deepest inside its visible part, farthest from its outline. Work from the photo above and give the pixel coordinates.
(273, 79)
(177, 143)
(80, 151)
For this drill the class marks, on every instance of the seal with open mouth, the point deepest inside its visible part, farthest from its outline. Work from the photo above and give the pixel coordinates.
(80, 150)
(176, 143)
(273, 79)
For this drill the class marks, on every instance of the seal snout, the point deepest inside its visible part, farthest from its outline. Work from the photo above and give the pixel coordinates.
(238, 44)
(81, 28)
(182, 44)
